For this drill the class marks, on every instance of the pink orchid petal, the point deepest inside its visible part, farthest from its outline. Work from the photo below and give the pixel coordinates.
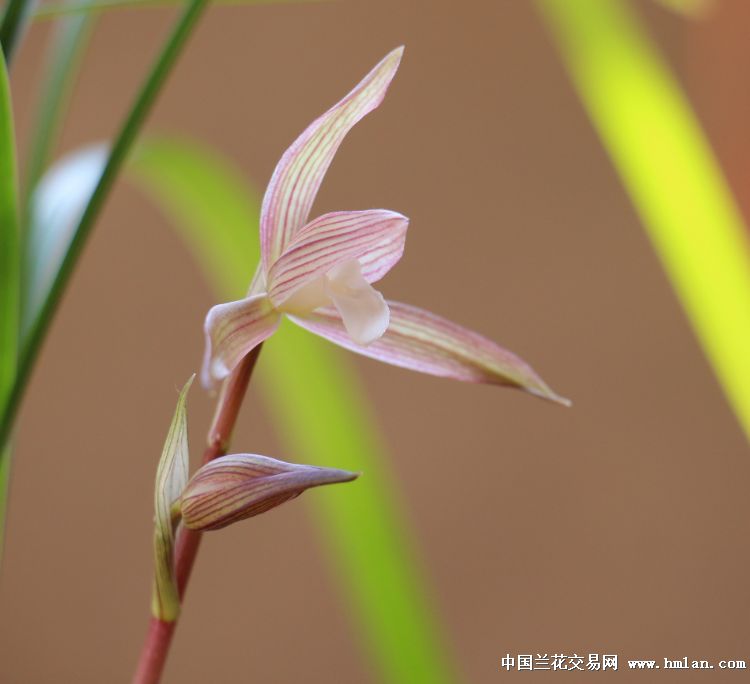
(374, 237)
(232, 331)
(427, 343)
(239, 486)
(299, 173)
(258, 283)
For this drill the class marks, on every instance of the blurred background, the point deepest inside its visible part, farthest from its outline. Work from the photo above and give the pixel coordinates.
(619, 526)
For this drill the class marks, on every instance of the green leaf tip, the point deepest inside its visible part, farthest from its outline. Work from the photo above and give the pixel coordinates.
(171, 478)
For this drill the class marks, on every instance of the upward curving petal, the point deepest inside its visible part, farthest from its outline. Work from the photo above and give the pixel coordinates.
(232, 331)
(427, 343)
(299, 173)
(375, 238)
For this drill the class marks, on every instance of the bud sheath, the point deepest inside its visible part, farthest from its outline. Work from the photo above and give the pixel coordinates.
(239, 486)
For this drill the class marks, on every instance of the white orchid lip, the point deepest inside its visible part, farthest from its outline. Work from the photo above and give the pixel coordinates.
(362, 308)
(306, 299)
(320, 273)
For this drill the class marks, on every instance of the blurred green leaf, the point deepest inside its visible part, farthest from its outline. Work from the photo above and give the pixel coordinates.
(38, 323)
(15, 18)
(51, 10)
(666, 165)
(10, 260)
(64, 54)
(69, 38)
(319, 410)
(690, 8)
(220, 217)
(55, 204)
(55, 210)
(9, 242)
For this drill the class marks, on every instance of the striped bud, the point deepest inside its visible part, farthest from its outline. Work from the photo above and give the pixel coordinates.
(239, 486)
(171, 476)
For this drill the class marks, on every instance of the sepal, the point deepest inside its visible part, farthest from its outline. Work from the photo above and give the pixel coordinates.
(171, 478)
(427, 343)
(239, 486)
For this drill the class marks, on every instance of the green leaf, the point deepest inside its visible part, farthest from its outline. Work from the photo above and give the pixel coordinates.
(668, 168)
(39, 323)
(171, 478)
(51, 10)
(9, 241)
(220, 218)
(55, 210)
(13, 25)
(9, 272)
(65, 51)
(319, 408)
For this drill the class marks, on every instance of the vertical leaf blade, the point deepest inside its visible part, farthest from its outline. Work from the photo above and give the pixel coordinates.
(367, 531)
(9, 273)
(65, 52)
(9, 241)
(55, 210)
(136, 117)
(667, 167)
(319, 408)
(15, 17)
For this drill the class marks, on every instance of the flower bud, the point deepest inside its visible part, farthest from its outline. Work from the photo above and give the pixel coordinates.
(239, 486)
(171, 477)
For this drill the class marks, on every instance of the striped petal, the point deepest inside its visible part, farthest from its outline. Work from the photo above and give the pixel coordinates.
(239, 486)
(424, 342)
(375, 238)
(232, 331)
(295, 182)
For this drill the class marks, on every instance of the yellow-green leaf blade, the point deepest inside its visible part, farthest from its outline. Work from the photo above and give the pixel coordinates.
(9, 273)
(667, 167)
(9, 241)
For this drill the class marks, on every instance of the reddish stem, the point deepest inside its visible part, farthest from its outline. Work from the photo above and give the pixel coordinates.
(159, 637)
(219, 438)
(154, 652)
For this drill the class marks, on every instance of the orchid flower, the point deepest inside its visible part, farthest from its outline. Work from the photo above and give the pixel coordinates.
(320, 273)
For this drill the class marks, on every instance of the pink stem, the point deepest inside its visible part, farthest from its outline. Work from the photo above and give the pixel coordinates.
(159, 636)
(154, 653)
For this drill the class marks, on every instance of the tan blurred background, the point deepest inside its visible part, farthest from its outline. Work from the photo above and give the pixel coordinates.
(619, 526)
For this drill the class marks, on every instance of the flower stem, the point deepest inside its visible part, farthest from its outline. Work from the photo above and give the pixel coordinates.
(219, 437)
(154, 652)
(159, 636)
